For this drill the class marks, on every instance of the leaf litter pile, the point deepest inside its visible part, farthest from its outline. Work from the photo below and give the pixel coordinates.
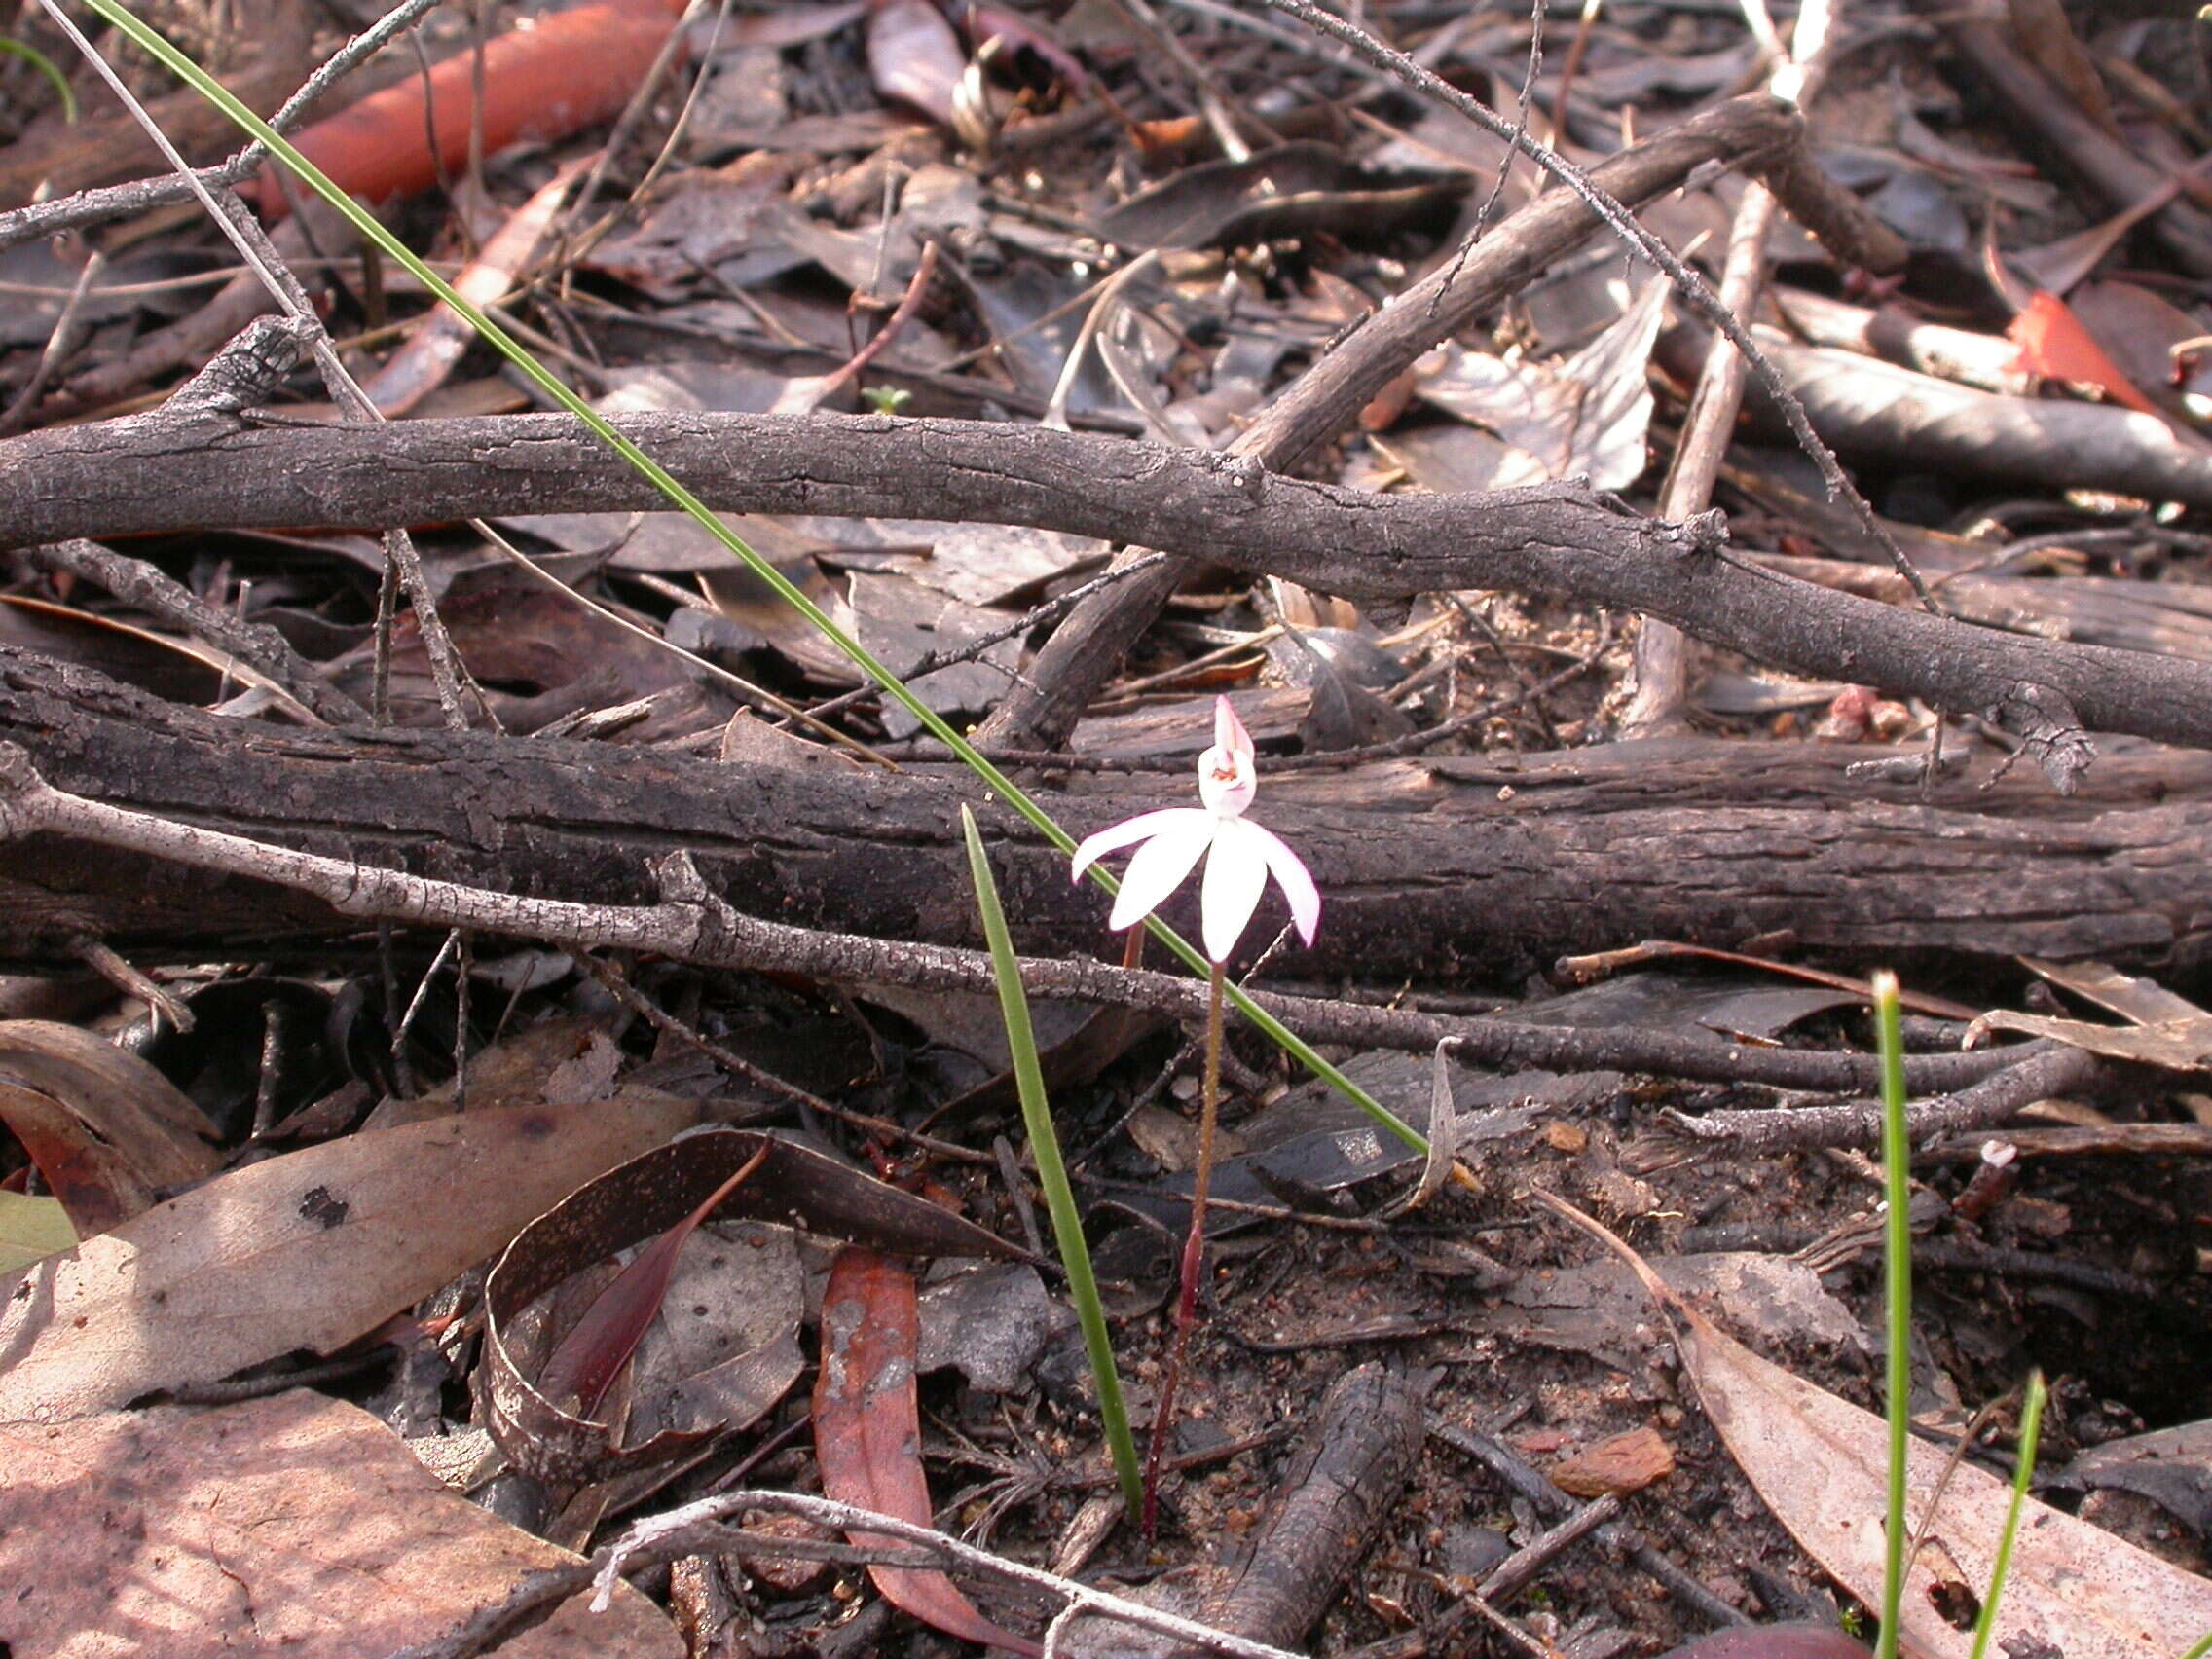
(497, 1063)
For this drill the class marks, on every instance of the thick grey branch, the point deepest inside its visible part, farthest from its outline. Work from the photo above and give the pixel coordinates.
(153, 473)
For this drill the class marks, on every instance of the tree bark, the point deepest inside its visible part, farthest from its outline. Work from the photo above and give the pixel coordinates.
(1481, 867)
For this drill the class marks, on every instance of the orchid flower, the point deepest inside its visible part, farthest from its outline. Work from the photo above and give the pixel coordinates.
(1239, 855)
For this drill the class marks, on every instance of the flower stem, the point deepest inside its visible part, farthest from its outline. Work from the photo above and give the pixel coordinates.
(1194, 1255)
(1897, 1166)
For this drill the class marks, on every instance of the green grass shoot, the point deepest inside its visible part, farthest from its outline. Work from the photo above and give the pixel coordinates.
(37, 60)
(1897, 1171)
(1053, 1170)
(2023, 1471)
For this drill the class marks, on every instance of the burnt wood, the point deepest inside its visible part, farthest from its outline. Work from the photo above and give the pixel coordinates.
(1483, 867)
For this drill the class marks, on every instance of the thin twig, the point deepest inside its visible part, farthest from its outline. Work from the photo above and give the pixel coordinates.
(1519, 135)
(908, 303)
(1536, 1488)
(1335, 760)
(1036, 618)
(247, 237)
(110, 965)
(633, 114)
(256, 644)
(1982, 1105)
(59, 345)
(758, 696)
(1692, 287)
(1515, 1572)
(698, 1528)
(630, 997)
(656, 1535)
(121, 200)
(1221, 112)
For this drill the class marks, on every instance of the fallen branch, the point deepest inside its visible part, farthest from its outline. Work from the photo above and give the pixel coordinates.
(1994, 1100)
(53, 828)
(1443, 870)
(1085, 651)
(1888, 411)
(155, 473)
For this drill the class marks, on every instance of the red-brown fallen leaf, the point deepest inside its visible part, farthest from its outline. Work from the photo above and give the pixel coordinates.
(548, 77)
(104, 1127)
(1619, 1463)
(798, 1187)
(1168, 139)
(1384, 408)
(420, 367)
(2055, 345)
(602, 1341)
(787, 1575)
(867, 1432)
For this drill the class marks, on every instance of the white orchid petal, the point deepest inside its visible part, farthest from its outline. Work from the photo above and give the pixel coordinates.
(1142, 827)
(1292, 876)
(1236, 874)
(1162, 862)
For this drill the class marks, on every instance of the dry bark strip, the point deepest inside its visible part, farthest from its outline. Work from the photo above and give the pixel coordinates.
(1347, 1478)
(1485, 867)
(1345, 1481)
(160, 473)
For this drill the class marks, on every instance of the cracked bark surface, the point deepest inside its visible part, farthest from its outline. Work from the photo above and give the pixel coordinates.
(1480, 867)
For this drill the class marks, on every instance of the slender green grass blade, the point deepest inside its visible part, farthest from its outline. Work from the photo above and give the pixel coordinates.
(143, 35)
(1896, 1172)
(45, 65)
(1053, 1170)
(2023, 1471)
